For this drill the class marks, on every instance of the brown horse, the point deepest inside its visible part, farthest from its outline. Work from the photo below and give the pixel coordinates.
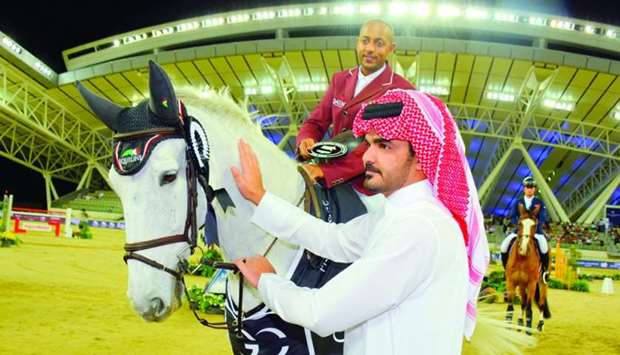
(523, 272)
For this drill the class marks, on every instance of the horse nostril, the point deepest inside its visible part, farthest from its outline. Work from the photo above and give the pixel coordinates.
(157, 305)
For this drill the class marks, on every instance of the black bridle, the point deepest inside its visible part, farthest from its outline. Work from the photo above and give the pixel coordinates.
(189, 236)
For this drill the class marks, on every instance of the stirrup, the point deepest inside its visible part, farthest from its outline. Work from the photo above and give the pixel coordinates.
(545, 277)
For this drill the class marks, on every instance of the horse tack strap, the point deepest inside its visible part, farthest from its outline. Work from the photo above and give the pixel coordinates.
(155, 264)
(310, 196)
(131, 247)
(146, 132)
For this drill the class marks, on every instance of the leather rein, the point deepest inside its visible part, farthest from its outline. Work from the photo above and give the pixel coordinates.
(189, 235)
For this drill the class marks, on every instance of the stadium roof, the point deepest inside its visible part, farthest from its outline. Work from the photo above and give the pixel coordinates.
(515, 81)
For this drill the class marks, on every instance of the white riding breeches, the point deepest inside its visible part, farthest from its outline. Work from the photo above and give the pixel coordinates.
(542, 242)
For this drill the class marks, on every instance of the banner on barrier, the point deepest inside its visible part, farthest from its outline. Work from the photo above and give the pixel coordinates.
(35, 226)
(599, 264)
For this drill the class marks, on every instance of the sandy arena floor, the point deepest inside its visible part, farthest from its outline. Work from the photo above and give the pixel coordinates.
(60, 296)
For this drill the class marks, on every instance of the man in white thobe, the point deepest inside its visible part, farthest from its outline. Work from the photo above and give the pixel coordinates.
(407, 289)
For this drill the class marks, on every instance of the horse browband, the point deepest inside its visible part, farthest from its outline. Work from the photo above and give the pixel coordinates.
(146, 132)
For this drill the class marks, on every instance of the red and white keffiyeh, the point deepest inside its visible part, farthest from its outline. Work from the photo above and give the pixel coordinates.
(428, 126)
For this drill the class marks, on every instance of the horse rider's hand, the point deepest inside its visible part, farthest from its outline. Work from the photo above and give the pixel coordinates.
(314, 171)
(304, 148)
(253, 267)
(248, 179)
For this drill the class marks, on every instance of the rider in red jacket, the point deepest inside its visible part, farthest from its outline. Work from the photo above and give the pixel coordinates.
(348, 90)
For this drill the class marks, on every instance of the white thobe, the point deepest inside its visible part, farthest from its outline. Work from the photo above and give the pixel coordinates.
(406, 291)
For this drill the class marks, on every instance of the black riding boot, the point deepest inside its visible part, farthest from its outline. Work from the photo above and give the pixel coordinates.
(504, 259)
(544, 266)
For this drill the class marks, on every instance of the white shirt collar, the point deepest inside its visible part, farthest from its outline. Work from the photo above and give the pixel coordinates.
(364, 80)
(370, 76)
(411, 193)
(528, 201)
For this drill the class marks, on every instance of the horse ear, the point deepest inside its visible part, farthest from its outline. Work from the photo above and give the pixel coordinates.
(105, 110)
(163, 102)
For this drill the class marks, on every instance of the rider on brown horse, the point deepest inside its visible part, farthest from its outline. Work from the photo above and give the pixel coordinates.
(536, 208)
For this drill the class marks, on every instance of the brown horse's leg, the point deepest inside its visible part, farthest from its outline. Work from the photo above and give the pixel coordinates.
(543, 305)
(510, 295)
(531, 291)
(523, 295)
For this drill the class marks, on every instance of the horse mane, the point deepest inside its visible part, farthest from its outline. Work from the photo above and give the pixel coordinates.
(217, 110)
(218, 101)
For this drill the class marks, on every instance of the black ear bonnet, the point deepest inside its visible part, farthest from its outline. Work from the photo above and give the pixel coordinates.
(140, 128)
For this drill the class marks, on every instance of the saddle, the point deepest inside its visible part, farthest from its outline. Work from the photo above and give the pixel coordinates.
(339, 204)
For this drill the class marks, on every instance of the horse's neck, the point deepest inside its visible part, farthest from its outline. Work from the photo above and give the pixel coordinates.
(238, 236)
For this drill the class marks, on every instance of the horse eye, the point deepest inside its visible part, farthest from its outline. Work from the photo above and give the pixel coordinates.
(168, 178)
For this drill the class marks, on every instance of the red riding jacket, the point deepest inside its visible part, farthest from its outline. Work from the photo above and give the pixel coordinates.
(338, 108)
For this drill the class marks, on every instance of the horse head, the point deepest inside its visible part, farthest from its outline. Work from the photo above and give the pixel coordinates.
(151, 176)
(526, 230)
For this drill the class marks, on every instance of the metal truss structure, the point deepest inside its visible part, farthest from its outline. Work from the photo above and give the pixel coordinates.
(39, 133)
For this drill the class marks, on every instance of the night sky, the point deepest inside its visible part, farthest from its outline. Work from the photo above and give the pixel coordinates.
(47, 28)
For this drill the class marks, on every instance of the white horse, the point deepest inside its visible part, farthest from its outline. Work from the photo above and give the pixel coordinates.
(153, 209)
(155, 197)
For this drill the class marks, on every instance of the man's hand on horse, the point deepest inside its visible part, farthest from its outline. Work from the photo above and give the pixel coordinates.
(314, 171)
(253, 267)
(248, 179)
(304, 148)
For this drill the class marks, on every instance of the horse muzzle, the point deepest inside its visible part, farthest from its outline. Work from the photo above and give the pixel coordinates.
(155, 310)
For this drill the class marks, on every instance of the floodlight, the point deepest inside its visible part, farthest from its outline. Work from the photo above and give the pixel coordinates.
(397, 9)
(346, 9)
(558, 105)
(500, 96)
(563, 25)
(420, 9)
(476, 13)
(9, 43)
(266, 89)
(537, 21)
(435, 90)
(447, 10)
(589, 29)
(311, 87)
(264, 15)
(238, 18)
(506, 17)
(293, 12)
(211, 22)
(370, 9)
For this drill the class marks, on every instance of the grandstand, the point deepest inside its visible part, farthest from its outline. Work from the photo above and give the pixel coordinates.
(95, 201)
(532, 93)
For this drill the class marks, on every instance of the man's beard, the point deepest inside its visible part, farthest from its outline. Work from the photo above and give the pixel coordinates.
(370, 167)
